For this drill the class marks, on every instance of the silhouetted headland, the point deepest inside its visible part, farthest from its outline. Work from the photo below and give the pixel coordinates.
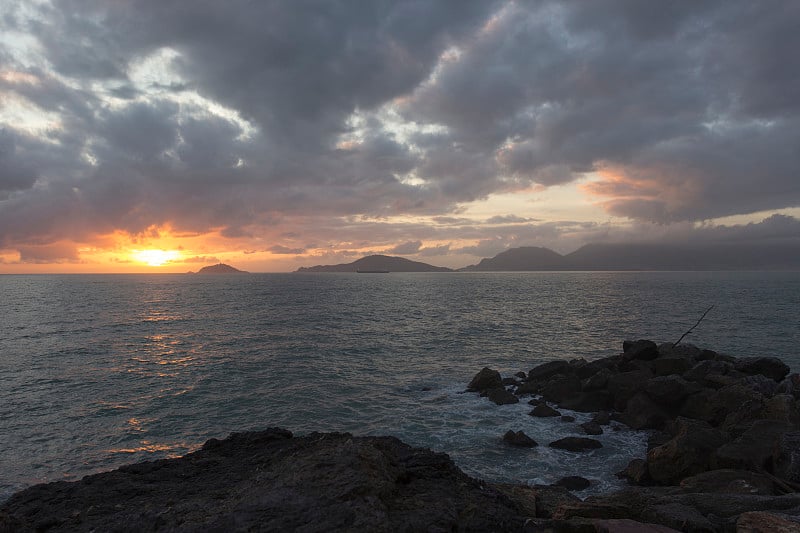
(603, 257)
(220, 268)
(377, 263)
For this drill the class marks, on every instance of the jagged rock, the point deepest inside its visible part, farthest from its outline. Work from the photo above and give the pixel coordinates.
(501, 396)
(519, 438)
(521, 375)
(641, 349)
(537, 500)
(782, 407)
(689, 452)
(560, 388)
(786, 456)
(587, 402)
(535, 401)
(643, 413)
(576, 444)
(714, 407)
(703, 369)
(762, 522)
(593, 367)
(761, 384)
(771, 367)
(624, 385)
(573, 483)
(597, 381)
(625, 525)
(636, 472)
(543, 410)
(670, 390)
(271, 481)
(567, 418)
(548, 370)
(680, 517)
(724, 506)
(682, 351)
(789, 385)
(665, 366)
(729, 481)
(511, 382)
(591, 428)
(484, 380)
(753, 449)
(602, 418)
(699, 406)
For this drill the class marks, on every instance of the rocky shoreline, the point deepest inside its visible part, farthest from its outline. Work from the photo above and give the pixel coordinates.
(723, 455)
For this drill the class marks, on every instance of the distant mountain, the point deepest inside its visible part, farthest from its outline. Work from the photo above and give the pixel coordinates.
(220, 268)
(717, 256)
(377, 263)
(520, 259)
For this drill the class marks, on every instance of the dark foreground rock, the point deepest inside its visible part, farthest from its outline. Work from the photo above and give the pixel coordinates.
(271, 481)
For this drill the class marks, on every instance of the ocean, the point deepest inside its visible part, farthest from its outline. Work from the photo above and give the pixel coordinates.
(101, 370)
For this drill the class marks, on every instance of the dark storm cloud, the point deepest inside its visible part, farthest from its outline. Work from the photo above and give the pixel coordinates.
(688, 109)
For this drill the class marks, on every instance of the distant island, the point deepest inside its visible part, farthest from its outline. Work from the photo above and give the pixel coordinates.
(377, 263)
(602, 257)
(220, 268)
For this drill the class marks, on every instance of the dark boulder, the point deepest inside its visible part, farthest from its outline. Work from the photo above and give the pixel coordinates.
(543, 410)
(782, 407)
(689, 452)
(771, 367)
(560, 387)
(681, 351)
(538, 500)
(501, 396)
(665, 366)
(761, 384)
(573, 483)
(754, 448)
(703, 369)
(636, 472)
(670, 390)
(519, 439)
(549, 369)
(789, 385)
(576, 444)
(602, 418)
(762, 522)
(641, 349)
(643, 413)
(587, 402)
(592, 428)
(623, 386)
(729, 481)
(786, 457)
(597, 381)
(484, 380)
(567, 418)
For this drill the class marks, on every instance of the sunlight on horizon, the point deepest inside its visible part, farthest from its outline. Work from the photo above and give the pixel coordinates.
(155, 257)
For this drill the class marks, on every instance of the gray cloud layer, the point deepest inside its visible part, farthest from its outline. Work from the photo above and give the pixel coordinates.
(688, 109)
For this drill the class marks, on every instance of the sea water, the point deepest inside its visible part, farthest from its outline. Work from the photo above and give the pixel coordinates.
(101, 370)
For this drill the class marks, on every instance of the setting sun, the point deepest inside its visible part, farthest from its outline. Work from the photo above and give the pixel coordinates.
(155, 257)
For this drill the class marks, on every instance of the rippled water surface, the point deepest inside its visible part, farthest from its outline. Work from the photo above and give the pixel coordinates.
(97, 371)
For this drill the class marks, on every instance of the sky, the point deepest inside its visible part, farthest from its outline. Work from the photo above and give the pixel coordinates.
(165, 135)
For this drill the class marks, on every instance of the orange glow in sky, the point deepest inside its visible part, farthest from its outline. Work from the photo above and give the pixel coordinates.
(155, 257)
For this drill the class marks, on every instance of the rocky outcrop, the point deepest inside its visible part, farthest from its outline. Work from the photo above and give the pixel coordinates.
(725, 446)
(272, 481)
